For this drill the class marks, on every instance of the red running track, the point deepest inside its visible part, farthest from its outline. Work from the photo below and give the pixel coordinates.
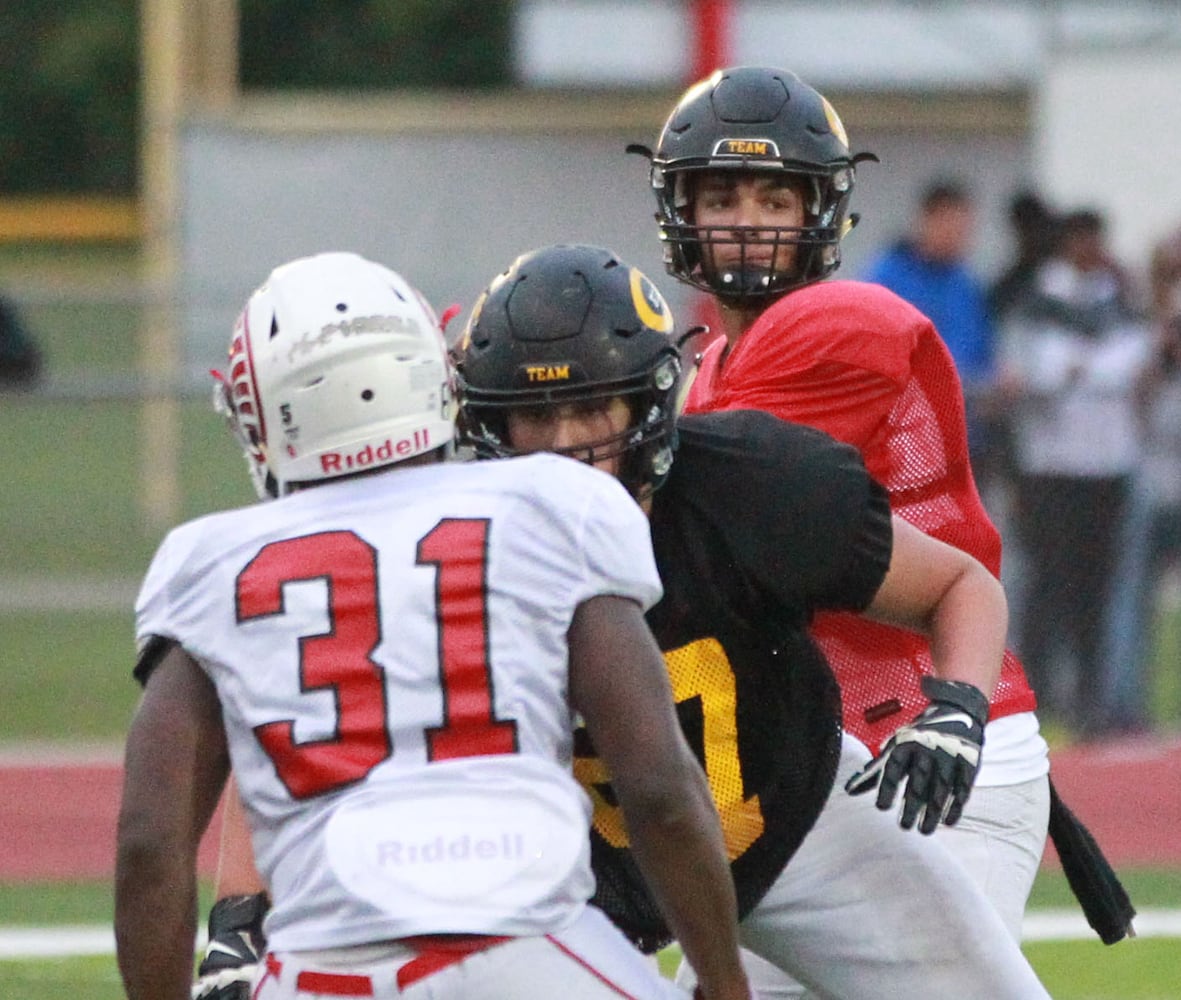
(57, 820)
(1128, 793)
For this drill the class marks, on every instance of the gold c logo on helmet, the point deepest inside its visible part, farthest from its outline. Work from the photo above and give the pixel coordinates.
(650, 305)
(834, 122)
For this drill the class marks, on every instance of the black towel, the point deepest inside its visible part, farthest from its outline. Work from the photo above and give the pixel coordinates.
(1096, 886)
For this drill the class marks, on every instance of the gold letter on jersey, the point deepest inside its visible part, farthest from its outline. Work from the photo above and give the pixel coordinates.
(698, 670)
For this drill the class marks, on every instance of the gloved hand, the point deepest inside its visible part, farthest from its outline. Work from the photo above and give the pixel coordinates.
(937, 755)
(236, 943)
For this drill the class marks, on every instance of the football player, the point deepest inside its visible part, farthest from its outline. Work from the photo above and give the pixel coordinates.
(753, 175)
(758, 524)
(389, 654)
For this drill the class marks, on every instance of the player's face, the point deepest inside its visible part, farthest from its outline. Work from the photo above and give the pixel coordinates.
(745, 209)
(576, 429)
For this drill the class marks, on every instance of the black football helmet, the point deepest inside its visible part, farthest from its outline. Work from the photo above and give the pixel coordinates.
(762, 119)
(572, 323)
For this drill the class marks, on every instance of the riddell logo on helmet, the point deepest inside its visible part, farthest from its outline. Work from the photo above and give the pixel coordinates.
(388, 451)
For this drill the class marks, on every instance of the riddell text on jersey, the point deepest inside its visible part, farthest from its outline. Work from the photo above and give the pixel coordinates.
(343, 461)
(397, 853)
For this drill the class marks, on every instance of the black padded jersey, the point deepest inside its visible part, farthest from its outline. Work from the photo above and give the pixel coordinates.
(759, 523)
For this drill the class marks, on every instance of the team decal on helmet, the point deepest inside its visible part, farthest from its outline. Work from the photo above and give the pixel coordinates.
(309, 341)
(747, 148)
(547, 373)
(834, 121)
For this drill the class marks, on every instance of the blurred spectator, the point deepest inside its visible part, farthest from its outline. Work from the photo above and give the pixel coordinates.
(20, 359)
(929, 268)
(1152, 541)
(1073, 352)
(1034, 227)
(1165, 278)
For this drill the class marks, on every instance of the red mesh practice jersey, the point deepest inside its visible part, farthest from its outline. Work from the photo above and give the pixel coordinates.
(857, 361)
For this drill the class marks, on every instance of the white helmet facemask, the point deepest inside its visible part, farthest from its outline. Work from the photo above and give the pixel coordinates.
(336, 366)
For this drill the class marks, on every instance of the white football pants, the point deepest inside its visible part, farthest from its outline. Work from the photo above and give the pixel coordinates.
(868, 911)
(590, 960)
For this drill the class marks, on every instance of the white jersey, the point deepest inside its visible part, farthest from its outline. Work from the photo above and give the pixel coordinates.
(390, 653)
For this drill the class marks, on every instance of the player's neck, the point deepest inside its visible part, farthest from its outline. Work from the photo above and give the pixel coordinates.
(735, 321)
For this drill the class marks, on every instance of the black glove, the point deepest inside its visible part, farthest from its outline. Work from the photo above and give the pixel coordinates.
(236, 943)
(938, 755)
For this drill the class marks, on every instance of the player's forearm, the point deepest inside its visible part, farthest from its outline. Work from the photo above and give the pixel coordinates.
(680, 850)
(155, 924)
(968, 628)
(236, 873)
(174, 769)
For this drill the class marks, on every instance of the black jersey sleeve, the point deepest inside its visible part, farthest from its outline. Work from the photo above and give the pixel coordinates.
(152, 650)
(802, 513)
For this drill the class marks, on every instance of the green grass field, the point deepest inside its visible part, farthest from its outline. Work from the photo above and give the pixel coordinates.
(1142, 969)
(70, 501)
(74, 509)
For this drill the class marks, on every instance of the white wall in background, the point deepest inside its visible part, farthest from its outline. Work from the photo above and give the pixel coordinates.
(1107, 134)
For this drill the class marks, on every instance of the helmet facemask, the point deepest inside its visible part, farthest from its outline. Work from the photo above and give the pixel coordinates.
(645, 447)
(235, 399)
(781, 258)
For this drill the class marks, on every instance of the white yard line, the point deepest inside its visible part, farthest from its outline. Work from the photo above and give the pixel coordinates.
(70, 941)
(65, 941)
(55, 942)
(56, 753)
(80, 593)
(1070, 925)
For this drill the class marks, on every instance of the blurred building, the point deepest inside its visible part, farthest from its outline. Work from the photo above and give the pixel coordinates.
(1072, 98)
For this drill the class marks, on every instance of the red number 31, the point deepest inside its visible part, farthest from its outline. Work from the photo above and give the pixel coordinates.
(340, 659)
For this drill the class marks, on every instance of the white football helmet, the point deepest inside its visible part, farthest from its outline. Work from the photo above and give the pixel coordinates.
(336, 366)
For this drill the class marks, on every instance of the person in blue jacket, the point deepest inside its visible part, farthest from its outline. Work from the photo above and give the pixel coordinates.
(930, 269)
